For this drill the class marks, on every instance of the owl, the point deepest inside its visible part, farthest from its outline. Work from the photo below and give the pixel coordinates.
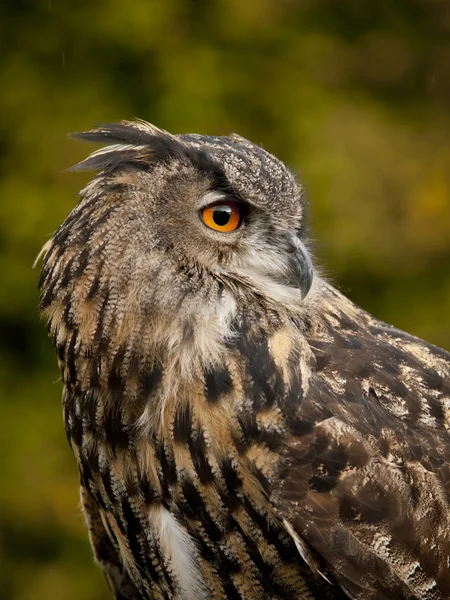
(242, 430)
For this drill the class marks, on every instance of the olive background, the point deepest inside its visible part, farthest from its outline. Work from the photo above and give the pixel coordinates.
(353, 94)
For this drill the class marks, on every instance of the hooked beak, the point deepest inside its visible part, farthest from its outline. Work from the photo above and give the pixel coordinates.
(300, 269)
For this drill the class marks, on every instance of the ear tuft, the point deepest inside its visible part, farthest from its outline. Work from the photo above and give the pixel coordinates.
(133, 142)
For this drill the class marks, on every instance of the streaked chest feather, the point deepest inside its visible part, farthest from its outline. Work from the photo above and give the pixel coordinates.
(191, 493)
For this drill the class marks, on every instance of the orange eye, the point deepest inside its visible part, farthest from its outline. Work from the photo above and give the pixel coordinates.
(223, 217)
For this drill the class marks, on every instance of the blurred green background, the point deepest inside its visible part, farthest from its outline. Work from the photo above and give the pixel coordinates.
(354, 95)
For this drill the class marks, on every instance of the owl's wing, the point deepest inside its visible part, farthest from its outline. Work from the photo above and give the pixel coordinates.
(368, 480)
(105, 553)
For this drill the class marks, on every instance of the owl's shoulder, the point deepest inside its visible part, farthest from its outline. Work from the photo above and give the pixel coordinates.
(358, 356)
(368, 482)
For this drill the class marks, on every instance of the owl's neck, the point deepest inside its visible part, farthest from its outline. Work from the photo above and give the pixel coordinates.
(232, 377)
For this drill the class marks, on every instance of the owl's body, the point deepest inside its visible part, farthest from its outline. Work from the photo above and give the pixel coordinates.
(242, 430)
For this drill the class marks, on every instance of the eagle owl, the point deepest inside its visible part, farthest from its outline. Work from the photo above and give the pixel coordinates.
(242, 430)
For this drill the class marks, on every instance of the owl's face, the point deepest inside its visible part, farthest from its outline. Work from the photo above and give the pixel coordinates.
(178, 231)
(193, 210)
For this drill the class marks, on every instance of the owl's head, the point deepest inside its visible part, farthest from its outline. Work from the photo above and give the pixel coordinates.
(176, 229)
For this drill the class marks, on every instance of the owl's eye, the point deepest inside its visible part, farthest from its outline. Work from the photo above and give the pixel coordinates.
(225, 217)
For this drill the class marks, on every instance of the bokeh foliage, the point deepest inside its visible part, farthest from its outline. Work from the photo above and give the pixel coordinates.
(353, 94)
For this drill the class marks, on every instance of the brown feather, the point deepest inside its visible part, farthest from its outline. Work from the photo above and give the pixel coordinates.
(238, 437)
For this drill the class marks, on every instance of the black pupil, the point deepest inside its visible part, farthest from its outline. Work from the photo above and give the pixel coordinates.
(222, 215)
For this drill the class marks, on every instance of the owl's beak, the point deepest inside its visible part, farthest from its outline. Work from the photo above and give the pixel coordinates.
(300, 269)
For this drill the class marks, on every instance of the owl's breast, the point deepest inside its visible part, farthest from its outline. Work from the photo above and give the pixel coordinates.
(191, 503)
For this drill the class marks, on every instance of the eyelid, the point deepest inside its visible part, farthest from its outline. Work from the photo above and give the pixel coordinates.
(211, 198)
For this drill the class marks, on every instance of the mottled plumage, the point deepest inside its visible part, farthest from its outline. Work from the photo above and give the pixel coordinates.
(242, 430)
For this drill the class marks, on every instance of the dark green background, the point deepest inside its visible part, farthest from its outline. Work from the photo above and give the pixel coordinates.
(353, 94)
